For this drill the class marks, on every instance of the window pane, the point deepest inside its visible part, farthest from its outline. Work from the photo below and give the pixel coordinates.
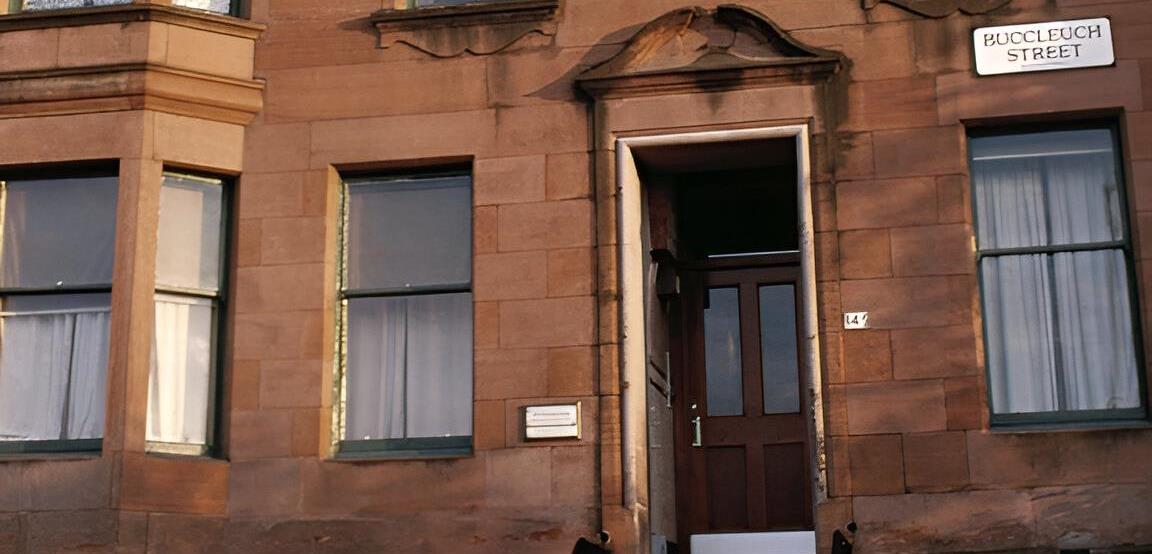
(53, 367)
(778, 360)
(59, 232)
(1046, 189)
(722, 360)
(1020, 323)
(181, 368)
(188, 242)
(409, 233)
(409, 367)
(1097, 348)
(31, 5)
(218, 6)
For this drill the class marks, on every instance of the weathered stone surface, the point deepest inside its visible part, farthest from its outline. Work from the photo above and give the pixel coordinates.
(192, 486)
(935, 461)
(91, 531)
(954, 522)
(867, 356)
(896, 407)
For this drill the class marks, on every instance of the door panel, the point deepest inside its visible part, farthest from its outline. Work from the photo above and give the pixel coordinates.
(787, 498)
(739, 393)
(727, 488)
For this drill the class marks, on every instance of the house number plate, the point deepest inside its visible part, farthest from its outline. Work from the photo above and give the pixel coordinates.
(856, 320)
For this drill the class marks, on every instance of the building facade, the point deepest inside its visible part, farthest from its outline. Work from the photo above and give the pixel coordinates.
(438, 276)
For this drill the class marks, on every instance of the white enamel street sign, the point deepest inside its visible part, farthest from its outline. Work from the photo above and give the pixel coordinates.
(1043, 46)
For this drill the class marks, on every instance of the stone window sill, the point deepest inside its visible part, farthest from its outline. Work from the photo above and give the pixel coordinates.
(1077, 427)
(479, 29)
(128, 13)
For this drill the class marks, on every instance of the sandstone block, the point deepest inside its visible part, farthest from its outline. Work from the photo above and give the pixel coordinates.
(954, 522)
(571, 272)
(952, 199)
(488, 431)
(265, 488)
(192, 486)
(963, 95)
(911, 301)
(508, 373)
(934, 352)
(965, 402)
(486, 325)
(877, 465)
(865, 254)
(538, 226)
(260, 434)
(935, 461)
(293, 240)
(484, 229)
(885, 204)
(896, 407)
(571, 371)
(922, 151)
(565, 321)
(933, 250)
(509, 180)
(519, 477)
(508, 276)
(569, 176)
(867, 356)
(290, 383)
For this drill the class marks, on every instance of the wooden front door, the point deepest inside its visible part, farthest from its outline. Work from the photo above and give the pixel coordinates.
(742, 439)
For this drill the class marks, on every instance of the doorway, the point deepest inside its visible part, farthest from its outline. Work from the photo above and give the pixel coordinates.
(729, 315)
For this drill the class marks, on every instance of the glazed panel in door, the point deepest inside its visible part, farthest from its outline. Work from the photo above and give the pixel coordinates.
(742, 446)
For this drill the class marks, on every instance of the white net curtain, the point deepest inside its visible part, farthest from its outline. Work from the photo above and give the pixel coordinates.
(1059, 324)
(58, 236)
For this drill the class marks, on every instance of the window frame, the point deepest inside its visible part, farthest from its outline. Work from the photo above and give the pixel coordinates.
(1064, 417)
(79, 170)
(216, 370)
(459, 446)
(235, 9)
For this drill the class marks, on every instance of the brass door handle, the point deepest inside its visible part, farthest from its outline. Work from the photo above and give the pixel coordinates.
(697, 434)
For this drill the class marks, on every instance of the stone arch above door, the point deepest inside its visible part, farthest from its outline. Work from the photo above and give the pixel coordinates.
(697, 48)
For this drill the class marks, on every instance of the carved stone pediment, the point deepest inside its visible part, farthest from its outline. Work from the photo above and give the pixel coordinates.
(941, 8)
(698, 48)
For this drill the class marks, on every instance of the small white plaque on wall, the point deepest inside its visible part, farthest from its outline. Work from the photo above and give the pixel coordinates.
(1043, 46)
(856, 320)
(558, 421)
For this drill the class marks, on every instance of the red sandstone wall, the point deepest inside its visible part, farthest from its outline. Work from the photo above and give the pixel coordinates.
(910, 457)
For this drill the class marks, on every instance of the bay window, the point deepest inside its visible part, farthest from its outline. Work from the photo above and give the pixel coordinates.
(189, 263)
(17, 6)
(55, 294)
(1055, 263)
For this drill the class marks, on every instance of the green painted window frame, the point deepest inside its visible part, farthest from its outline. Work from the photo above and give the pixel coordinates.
(215, 415)
(458, 446)
(1068, 418)
(95, 170)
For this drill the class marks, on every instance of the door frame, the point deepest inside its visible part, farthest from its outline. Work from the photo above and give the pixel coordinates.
(633, 293)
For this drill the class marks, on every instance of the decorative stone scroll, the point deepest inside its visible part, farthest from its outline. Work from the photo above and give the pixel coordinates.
(478, 29)
(707, 49)
(941, 8)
